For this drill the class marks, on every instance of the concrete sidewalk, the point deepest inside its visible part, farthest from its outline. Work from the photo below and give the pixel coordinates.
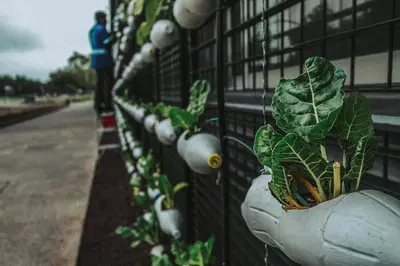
(46, 170)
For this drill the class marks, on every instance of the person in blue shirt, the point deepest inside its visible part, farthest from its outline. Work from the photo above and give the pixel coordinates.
(102, 62)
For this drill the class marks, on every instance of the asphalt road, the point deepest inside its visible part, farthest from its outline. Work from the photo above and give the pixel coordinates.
(46, 172)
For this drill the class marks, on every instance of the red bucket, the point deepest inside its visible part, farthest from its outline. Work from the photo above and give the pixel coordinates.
(108, 120)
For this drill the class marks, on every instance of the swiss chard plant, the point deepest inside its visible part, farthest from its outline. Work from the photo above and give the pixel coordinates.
(149, 169)
(136, 180)
(162, 260)
(197, 254)
(190, 118)
(162, 110)
(153, 10)
(167, 189)
(143, 200)
(308, 110)
(144, 230)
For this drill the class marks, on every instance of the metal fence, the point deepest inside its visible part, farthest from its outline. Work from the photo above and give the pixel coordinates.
(362, 36)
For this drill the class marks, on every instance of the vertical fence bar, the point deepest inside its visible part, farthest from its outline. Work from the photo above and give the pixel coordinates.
(157, 95)
(184, 93)
(353, 43)
(391, 46)
(222, 130)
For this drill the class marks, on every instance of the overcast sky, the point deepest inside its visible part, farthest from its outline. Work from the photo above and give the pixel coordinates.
(37, 36)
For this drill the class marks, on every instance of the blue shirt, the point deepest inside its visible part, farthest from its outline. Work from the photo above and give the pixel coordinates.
(101, 51)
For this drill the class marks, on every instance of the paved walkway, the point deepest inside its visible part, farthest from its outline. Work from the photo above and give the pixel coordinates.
(46, 170)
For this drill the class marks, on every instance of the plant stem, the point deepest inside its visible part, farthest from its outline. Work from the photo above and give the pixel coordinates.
(344, 160)
(310, 188)
(336, 180)
(323, 153)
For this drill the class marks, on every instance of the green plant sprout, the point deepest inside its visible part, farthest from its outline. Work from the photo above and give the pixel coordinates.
(154, 10)
(144, 230)
(162, 110)
(143, 200)
(189, 119)
(169, 191)
(136, 180)
(307, 109)
(197, 254)
(149, 169)
(162, 260)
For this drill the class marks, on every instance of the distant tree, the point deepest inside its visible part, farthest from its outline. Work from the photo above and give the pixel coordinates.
(77, 75)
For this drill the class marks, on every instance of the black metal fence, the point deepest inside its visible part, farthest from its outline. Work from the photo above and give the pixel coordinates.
(362, 36)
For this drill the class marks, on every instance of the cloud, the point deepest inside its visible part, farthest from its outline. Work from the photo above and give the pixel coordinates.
(16, 39)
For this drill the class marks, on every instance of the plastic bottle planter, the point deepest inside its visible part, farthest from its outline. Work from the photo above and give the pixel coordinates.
(163, 34)
(201, 152)
(131, 21)
(139, 114)
(153, 193)
(137, 152)
(170, 220)
(361, 228)
(122, 46)
(157, 251)
(150, 122)
(131, 110)
(148, 52)
(139, 164)
(165, 132)
(200, 7)
(185, 18)
(130, 168)
(137, 61)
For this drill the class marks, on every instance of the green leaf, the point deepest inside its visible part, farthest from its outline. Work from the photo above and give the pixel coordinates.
(182, 119)
(167, 190)
(354, 122)
(143, 33)
(126, 232)
(264, 142)
(293, 149)
(162, 260)
(163, 109)
(279, 183)
(153, 8)
(314, 97)
(138, 7)
(363, 159)
(198, 97)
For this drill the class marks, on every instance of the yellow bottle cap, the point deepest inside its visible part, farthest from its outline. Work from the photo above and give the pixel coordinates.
(214, 160)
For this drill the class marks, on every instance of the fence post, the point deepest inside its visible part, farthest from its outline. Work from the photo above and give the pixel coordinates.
(222, 130)
(157, 96)
(184, 93)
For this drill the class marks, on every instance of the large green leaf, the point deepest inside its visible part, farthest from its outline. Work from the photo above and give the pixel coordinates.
(293, 149)
(316, 96)
(354, 121)
(182, 119)
(143, 32)
(153, 8)
(363, 158)
(264, 142)
(198, 97)
(138, 7)
(180, 250)
(200, 253)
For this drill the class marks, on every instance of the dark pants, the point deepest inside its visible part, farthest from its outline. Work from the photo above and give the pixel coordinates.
(105, 82)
